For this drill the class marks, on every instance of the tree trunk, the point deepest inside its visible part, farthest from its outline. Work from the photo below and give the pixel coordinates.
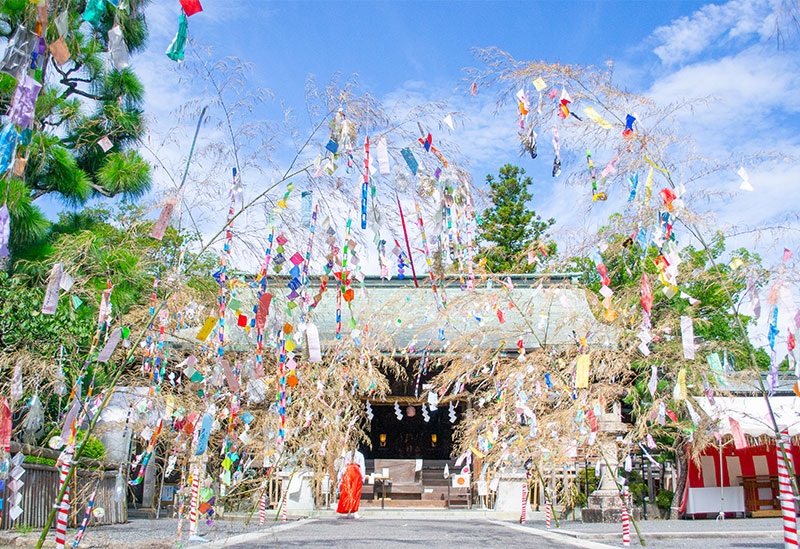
(682, 462)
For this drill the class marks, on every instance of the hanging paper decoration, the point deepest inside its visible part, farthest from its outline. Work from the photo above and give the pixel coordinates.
(680, 392)
(15, 485)
(687, 337)
(61, 22)
(18, 51)
(5, 425)
(163, 219)
(175, 50)
(369, 413)
(85, 521)
(646, 294)
(24, 102)
(95, 9)
(528, 140)
(312, 339)
(633, 179)
(110, 345)
(51, 294)
(9, 138)
(628, 131)
(557, 151)
(365, 185)
(597, 119)
(648, 187)
(563, 109)
(117, 48)
(652, 385)
(412, 163)
(190, 7)
(383, 157)
(745, 186)
(582, 371)
(16, 382)
(428, 259)
(397, 412)
(205, 432)
(451, 412)
(33, 420)
(5, 230)
(739, 441)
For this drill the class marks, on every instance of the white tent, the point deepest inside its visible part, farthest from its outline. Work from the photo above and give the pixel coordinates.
(753, 415)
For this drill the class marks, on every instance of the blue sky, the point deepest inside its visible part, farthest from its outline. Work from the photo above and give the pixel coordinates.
(667, 51)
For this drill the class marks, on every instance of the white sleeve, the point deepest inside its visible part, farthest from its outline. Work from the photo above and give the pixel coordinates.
(360, 461)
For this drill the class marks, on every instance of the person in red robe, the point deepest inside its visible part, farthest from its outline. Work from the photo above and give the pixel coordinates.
(352, 472)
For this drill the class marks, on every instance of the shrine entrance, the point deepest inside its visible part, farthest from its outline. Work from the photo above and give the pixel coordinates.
(410, 448)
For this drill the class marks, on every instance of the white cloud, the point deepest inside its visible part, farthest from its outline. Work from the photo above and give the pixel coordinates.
(711, 25)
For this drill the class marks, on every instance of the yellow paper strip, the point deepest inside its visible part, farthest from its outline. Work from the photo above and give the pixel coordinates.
(680, 385)
(582, 372)
(649, 186)
(656, 166)
(539, 84)
(597, 119)
(207, 327)
(477, 452)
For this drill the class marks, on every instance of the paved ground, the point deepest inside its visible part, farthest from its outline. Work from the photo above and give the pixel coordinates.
(330, 533)
(690, 534)
(372, 533)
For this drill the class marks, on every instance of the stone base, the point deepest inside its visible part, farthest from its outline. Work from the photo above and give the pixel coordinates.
(605, 507)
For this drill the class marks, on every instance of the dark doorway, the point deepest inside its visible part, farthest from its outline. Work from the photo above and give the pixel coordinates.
(412, 437)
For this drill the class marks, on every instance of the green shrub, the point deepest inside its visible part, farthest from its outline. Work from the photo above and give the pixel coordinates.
(40, 460)
(664, 499)
(94, 448)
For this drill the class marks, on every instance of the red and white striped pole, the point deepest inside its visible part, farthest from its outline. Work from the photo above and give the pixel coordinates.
(626, 521)
(548, 510)
(283, 505)
(522, 518)
(786, 495)
(195, 502)
(63, 505)
(262, 510)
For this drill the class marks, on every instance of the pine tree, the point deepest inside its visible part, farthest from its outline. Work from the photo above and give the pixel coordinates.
(509, 228)
(85, 104)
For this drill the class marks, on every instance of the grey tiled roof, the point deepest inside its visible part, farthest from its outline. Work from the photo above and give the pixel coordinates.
(396, 314)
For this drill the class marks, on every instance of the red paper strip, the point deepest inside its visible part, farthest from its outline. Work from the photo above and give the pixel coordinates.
(263, 310)
(163, 219)
(5, 425)
(190, 7)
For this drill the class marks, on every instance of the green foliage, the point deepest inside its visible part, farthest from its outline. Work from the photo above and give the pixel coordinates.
(82, 102)
(23, 327)
(94, 449)
(664, 499)
(40, 460)
(508, 226)
(582, 494)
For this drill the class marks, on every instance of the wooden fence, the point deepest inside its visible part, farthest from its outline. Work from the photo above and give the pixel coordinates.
(41, 488)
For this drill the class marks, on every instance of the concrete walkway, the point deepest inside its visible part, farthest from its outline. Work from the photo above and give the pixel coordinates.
(413, 528)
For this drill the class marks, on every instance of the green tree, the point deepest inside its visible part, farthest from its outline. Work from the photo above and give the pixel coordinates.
(717, 291)
(509, 228)
(82, 103)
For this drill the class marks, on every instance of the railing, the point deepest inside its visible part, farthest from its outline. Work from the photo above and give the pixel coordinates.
(41, 488)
